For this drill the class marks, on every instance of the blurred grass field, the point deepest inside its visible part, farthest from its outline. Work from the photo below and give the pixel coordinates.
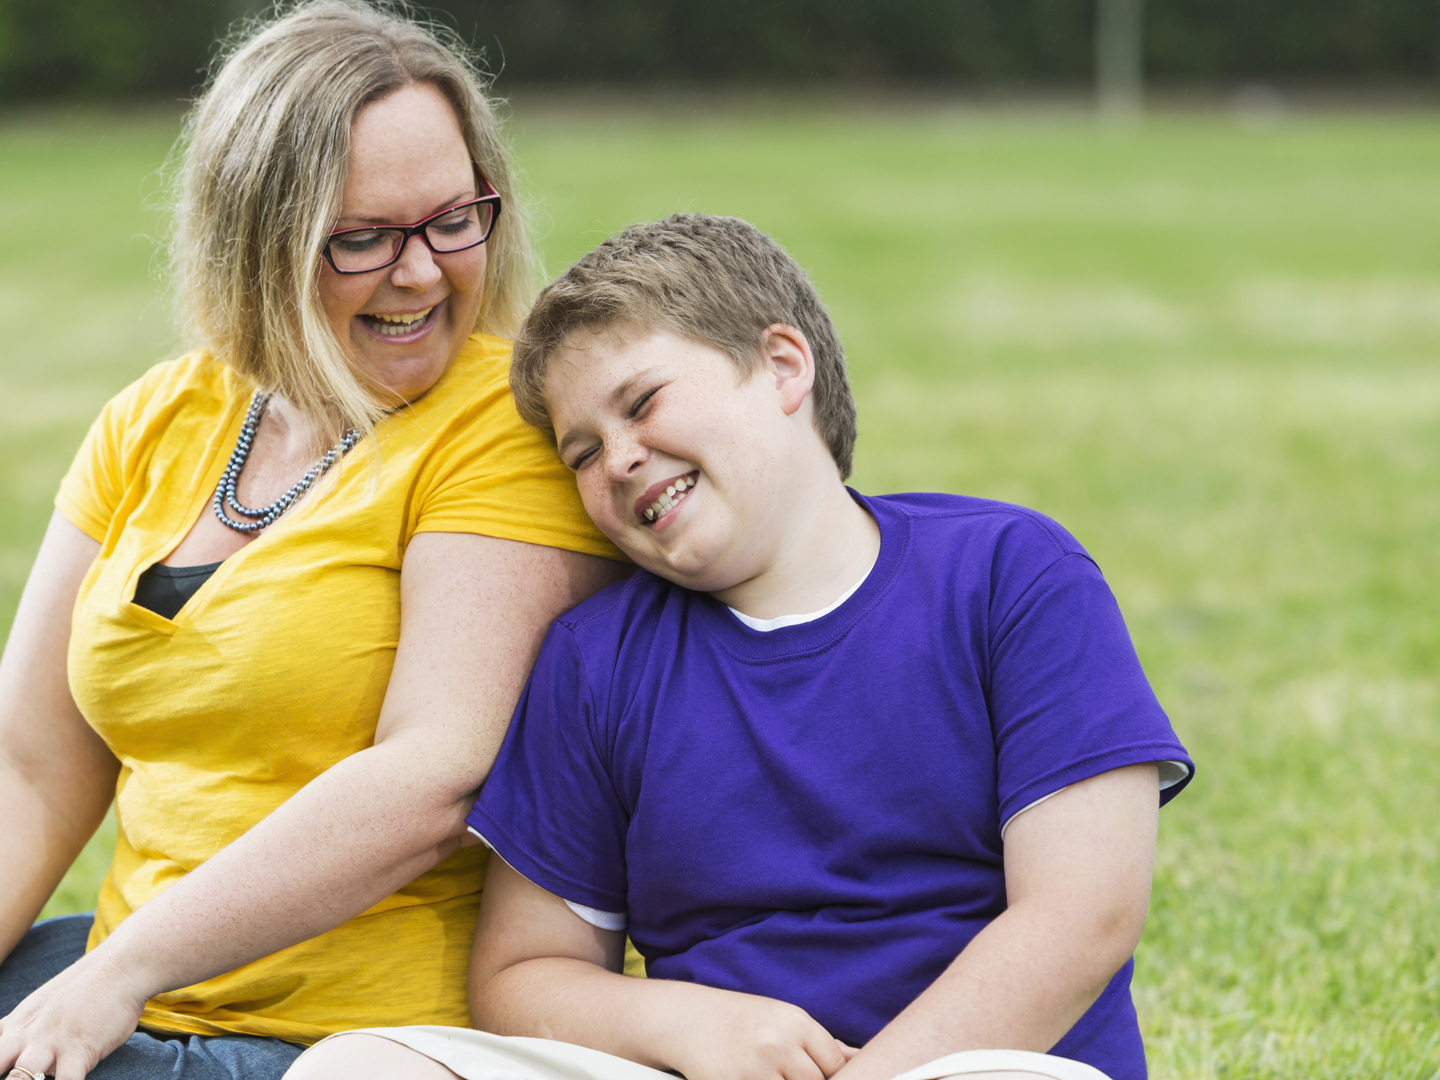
(1209, 351)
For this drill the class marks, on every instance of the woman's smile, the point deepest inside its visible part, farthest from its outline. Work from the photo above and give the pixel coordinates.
(401, 329)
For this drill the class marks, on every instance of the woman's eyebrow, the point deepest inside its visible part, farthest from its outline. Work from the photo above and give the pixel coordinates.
(446, 204)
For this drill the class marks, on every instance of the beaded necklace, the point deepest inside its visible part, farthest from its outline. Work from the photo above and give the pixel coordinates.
(225, 490)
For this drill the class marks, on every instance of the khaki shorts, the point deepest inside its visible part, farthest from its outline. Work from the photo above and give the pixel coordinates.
(478, 1055)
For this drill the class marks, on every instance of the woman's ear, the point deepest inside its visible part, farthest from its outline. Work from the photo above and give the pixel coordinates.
(787, 356)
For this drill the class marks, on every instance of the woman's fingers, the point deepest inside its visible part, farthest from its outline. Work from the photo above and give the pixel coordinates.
(29, 1064)
(67, 1025)
(71, 1067)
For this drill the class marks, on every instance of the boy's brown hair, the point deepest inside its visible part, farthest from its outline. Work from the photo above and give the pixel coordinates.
(718, 281)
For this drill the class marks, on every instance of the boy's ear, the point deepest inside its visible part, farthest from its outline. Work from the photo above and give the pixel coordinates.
(790, 362)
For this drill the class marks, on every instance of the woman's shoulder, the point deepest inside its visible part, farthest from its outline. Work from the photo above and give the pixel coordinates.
(473, 396)
(473, 465)
(481, 369)
(195, 379)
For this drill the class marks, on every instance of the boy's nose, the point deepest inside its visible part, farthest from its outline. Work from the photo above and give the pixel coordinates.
(624, 459)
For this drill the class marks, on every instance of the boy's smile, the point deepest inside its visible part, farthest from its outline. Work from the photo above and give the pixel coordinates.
(667, 495)
(703, 475)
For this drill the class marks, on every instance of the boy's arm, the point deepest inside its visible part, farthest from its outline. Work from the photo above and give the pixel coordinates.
(540, 970)
(1077, 875)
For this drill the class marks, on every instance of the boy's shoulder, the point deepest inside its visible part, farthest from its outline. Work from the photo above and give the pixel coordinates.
(970, 514)
(973, 534)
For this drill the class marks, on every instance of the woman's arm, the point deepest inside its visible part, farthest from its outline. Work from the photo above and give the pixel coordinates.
(1077, 875)
(56, 775)
(473, 612)
(540, 970)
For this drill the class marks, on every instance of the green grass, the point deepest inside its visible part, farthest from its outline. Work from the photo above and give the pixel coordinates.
(1208, 351)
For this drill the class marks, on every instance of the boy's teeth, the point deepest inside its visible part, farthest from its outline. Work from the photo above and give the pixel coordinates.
(672, 494)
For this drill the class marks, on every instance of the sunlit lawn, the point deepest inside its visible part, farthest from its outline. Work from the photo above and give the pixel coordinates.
(1209, 351)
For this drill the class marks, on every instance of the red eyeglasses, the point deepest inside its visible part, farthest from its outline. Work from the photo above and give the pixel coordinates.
(458, 228)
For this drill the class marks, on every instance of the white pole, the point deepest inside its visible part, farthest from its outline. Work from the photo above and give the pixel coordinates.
(1120, 60)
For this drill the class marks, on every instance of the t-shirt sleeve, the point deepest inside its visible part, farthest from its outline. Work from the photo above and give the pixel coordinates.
(94, 487)
(550, 807)
(1068, 698)
(495, 475)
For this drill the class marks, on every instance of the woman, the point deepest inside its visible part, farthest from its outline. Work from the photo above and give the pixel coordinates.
(309, 567)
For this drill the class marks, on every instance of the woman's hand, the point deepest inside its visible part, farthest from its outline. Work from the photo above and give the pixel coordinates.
(745, 1037)
(66, 1026)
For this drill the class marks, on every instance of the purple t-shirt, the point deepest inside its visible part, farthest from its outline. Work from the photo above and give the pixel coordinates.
(813, 813)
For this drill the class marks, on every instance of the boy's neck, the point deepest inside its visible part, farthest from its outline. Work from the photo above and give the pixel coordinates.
(832, 546)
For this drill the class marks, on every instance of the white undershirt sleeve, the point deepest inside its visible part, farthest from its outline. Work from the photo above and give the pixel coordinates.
(1171, 773)
(605, 920)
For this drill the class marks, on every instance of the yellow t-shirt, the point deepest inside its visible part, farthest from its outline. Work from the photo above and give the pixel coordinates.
(276, 669)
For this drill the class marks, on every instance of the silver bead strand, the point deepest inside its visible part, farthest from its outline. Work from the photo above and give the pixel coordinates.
(225, 490)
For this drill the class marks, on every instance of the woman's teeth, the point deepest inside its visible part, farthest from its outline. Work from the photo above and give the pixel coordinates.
(670, 496)
(394, 325)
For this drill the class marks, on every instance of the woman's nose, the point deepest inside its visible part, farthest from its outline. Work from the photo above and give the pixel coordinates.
(416, 268)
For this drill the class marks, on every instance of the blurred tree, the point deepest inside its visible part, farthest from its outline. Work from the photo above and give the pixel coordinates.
(1120, 59)
(98, 48)
(105, 48)
(1200, 39)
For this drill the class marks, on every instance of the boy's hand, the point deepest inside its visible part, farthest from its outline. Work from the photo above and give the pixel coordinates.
(746, 1037)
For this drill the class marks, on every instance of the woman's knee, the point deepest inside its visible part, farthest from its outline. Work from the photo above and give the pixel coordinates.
(357, 1056)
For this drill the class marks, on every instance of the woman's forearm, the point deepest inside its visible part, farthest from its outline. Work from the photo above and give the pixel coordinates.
(350, 838)
(474, 610)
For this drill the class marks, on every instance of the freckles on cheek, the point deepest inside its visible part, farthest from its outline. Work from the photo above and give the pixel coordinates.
(597, 507)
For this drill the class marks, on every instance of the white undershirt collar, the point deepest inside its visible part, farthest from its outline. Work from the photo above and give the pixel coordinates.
(795, 620)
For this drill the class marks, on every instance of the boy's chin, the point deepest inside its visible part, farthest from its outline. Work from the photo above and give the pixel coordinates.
(697, 575)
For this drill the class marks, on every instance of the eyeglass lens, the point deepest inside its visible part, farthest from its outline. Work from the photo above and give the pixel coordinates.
(369, 249)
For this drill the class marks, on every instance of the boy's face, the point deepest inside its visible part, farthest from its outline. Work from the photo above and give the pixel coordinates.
(680, 459)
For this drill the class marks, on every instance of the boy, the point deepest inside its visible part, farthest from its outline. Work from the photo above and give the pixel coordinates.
(853, 772)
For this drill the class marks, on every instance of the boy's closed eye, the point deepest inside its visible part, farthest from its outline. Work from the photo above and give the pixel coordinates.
(641, 402)
(584, 456)
(632, 413)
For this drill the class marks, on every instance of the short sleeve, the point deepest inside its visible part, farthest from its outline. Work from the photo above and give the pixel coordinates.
(94, 487)
(550, 807)
(1068, 698)
(492, 473)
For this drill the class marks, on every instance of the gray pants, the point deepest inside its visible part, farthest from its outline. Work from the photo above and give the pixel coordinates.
(53, 945)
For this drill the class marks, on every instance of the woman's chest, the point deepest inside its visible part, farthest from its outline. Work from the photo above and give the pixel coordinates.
(289, 643)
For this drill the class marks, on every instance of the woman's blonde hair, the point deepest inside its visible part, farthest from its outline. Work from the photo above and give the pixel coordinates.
(263, 165)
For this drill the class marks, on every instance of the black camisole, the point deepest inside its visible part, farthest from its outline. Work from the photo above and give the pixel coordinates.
(166, 589)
